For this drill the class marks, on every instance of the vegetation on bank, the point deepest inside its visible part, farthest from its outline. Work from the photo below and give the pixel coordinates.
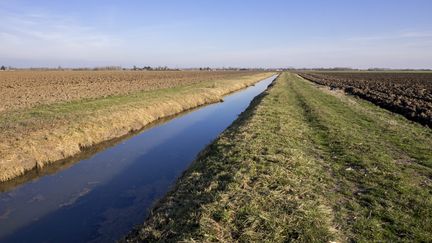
(406, 93)
(27, 89)
(31, 138)
(304, 163)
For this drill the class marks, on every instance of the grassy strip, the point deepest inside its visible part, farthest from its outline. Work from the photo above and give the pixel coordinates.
(26, 89)
(304, 164)
(34, 137)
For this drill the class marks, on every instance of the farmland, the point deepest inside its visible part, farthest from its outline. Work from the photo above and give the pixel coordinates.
(216, 121)
(50, 116)
(407, 93)
(25, 89)
(304, 163)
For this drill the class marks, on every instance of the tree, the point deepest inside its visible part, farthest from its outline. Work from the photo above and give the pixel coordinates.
(3, 68)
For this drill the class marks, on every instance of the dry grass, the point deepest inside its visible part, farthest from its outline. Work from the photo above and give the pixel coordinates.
(33, 137)
(306, 166)
(24, 89)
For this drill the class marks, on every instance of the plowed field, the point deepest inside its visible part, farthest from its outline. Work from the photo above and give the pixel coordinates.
(406, 93)
(24, 89)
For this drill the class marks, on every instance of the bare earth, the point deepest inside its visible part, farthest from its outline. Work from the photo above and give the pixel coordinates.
(50, 116)
(24, 89)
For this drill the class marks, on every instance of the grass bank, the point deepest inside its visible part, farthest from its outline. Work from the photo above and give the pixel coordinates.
(304, 164)
(32, 138)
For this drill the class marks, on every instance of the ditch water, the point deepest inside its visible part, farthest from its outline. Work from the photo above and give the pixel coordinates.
(102, 197)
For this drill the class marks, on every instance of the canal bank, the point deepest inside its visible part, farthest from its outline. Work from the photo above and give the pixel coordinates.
(304, 164)
(101, 198)
(32, 138)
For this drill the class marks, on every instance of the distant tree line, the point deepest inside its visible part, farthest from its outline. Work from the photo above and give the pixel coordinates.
(353, 69)
(166, 68)
(159, 68)
(324, 69)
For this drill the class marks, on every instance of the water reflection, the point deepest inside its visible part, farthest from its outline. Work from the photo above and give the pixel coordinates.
(103, 196)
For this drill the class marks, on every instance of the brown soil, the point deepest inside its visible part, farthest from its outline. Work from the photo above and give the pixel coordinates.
(34, 137)
(24, 89)
(409, 93)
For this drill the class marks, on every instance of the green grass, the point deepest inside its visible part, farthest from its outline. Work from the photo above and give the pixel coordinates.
(32, 138)
(75, 110)
(37, 117)
(303, 164)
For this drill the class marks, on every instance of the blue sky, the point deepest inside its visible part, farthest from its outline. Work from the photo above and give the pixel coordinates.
(272, 33)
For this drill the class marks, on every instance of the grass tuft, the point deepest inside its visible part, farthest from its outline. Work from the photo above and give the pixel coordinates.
(304, 164)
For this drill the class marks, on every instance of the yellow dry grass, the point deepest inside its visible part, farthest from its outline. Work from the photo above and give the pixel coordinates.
(25, 89)
(35, 137)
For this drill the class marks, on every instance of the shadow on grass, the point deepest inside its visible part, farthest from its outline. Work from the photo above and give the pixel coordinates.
(177, 215)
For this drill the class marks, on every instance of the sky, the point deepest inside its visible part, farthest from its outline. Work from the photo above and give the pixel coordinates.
(216, 33)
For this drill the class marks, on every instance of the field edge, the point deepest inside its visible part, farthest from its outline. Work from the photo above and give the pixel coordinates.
(302, 164)
(42, 147)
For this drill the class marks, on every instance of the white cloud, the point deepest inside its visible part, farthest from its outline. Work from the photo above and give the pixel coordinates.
(405, 35)
(40, 36)
(42, 39)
